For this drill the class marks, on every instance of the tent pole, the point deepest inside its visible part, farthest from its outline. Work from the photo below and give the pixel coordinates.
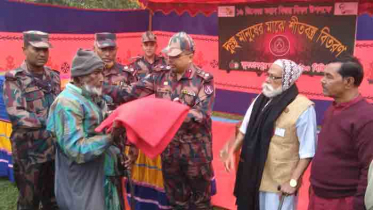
(150, 20)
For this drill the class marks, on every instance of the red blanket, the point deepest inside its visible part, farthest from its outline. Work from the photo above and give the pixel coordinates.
(150, 123)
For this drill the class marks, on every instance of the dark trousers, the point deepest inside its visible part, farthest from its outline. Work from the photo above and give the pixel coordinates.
(188, 185)
(35, 183)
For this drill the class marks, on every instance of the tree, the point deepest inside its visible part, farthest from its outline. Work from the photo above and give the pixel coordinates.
(92, 4)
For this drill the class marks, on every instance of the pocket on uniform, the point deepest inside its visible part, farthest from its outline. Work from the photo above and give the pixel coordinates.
(34, 95)
(34, 100)
(189, 100)
(199, 152)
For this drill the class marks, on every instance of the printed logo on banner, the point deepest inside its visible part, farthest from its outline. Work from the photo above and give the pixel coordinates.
(226, 11)
(279, 45)
(346, 8)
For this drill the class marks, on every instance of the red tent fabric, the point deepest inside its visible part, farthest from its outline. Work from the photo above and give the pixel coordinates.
(207, 7)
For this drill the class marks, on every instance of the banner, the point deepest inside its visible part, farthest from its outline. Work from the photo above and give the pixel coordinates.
(252, 37)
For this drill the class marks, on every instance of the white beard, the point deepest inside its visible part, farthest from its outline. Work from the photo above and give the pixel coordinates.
(93, 90)
(269, 91)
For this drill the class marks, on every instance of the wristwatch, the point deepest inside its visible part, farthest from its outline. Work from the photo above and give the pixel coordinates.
(293, 183)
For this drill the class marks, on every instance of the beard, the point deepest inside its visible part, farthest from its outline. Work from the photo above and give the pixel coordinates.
(95, 91)
(269, 91)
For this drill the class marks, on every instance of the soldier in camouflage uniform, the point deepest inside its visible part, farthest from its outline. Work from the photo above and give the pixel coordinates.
(117, 75)
(28, 94)
(145, 64)
(186, 162)
(114, 73)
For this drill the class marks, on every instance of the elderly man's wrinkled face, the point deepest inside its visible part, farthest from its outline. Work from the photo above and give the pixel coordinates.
(272, 86)
(93, 82)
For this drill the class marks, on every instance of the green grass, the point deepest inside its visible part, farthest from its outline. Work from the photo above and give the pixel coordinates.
(8, 195)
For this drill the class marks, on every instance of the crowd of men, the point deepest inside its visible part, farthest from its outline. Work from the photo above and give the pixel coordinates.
(60, 162)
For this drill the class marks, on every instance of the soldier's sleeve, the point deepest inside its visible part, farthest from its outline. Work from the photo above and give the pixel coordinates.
(204, 103)
(130, 74)
(16, 105)
(57, 80)
(128, 93)
(66, 122)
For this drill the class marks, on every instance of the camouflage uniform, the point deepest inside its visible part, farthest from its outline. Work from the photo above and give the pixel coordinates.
(141, 65)
(28, 99)
(186, 162)
(119, 76)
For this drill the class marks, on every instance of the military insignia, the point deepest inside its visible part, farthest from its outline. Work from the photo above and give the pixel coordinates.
(117, 83)
(209, 89)
(186, 92)
(31, 89)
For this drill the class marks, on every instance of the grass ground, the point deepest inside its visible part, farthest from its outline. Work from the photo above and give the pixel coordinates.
(9, 194)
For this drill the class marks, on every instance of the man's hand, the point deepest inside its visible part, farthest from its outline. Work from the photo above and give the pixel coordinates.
(133, 153)
(228, 160)
(286, 189)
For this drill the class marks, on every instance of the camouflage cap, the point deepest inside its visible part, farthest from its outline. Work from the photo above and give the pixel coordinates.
(36, 39)
(179, 42)
(148, 37)
(103, 40)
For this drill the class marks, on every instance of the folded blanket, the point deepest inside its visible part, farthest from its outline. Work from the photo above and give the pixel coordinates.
(151, 123)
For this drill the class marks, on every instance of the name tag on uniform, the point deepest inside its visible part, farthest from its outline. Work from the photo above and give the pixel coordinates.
(32, 89)
(280, 132)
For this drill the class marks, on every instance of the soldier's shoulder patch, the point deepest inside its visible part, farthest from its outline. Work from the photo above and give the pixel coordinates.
(135, 59)
(52, 71)
(206, 76)
(129, 69)
(209, 89)
(55, 71)
(12, 74)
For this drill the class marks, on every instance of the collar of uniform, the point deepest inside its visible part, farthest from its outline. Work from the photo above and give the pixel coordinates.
(25, 67)
(189, 74)
(156, 59)
(113, 70)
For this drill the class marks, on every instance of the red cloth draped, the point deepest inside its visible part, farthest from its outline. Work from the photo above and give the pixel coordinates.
(150, 123)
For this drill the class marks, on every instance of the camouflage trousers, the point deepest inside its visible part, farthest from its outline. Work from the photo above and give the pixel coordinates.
(188, 186)
(35, 183)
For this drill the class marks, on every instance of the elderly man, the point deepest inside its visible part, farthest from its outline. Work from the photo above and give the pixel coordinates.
(186, 162)
(345, 150)
(29, 91)
(278, 140)
(74, 115)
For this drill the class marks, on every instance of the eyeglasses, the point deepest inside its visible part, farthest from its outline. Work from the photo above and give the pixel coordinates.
(270, 76)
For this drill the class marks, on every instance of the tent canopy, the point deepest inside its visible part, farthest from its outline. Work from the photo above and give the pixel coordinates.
(207, 7)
